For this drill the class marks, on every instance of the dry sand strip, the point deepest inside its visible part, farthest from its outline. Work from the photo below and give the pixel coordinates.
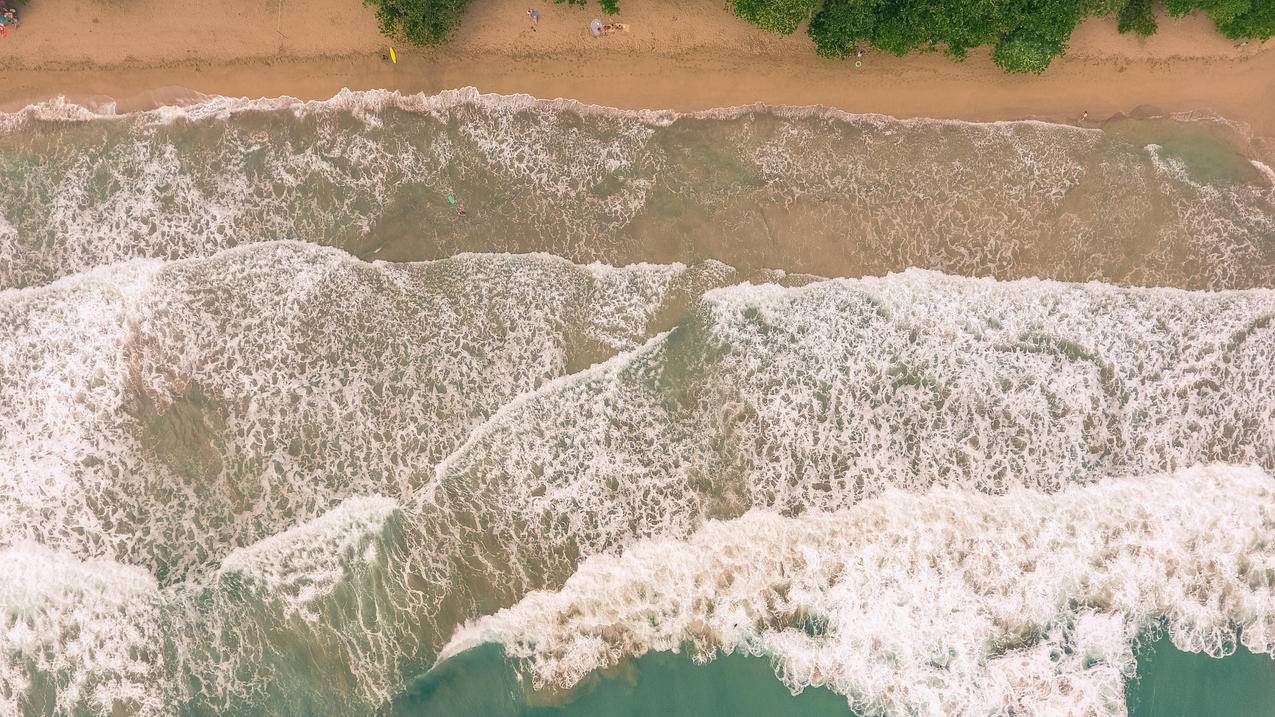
(684, 55)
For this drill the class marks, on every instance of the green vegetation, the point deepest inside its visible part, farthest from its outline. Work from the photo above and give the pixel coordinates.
(1026, 35)
(421, 22)
(1138, 17)
(781, 16)
(609, 7)
(1237, 19)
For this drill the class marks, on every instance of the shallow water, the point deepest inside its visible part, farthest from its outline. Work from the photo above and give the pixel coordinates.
(283, 432)
(482, 684)
(1170, 683)
(1139, 201)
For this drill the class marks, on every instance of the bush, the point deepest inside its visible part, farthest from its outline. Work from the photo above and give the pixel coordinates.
(1026, 33)
(1258, 23)
(1090, 8)
(780, 16)
(1137, 17)
(840, 24)
(609, 7)
(1237, 19)
(422, 22)
(1020, 53)
(1220, 10)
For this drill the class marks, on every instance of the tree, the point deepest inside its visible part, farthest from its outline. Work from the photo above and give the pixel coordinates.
(422, 22)
(780, 16)
(1022, 53)
(1137, 17)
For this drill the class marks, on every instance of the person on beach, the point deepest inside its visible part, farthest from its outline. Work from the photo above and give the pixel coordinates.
(535, 18)
(598, 29)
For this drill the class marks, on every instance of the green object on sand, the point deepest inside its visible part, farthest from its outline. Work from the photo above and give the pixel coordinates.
(451, 199)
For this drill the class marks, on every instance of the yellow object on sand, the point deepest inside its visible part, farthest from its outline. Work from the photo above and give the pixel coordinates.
(393, 56)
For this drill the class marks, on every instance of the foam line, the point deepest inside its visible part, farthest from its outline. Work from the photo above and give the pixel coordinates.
(947, 602)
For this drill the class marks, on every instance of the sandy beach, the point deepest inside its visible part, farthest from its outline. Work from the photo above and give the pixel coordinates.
(683, 56)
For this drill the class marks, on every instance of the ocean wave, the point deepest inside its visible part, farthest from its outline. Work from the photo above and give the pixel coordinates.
(1030, 600)
(161, 413)
(366, 104)
(297, 622)
(314, 469)
(948, 602)
(817, 397)
(804, 189)
(78, 635)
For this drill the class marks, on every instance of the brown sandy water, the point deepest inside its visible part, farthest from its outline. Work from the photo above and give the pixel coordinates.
(1135, 201)
(280, 422)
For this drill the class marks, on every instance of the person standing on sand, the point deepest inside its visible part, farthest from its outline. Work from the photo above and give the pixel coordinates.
(595, 27)
(535, 18)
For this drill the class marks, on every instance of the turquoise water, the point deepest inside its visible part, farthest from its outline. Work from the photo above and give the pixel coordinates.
(1172, 683)
(481, 683)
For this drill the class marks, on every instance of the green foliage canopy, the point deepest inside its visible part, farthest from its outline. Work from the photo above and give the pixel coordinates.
(421, 22)
(609, 7)
(1237, 19)
(781, 16)
(1138, 17)
(1025, 34)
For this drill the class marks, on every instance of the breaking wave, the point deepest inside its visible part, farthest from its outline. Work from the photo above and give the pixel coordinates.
(803, 189)
(278, 479)
(948, 602)
(158, 413)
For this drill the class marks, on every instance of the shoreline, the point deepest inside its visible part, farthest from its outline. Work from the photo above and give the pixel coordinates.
(1242, 90)
(1259, 149)
(1187, 67)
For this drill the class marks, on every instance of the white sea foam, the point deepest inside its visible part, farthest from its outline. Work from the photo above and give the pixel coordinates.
(814, 398)
(1266, 172)
(333, 584)
(298, 566)
(1247, 213)
(368, 103)
(163, 414)
(217, 420)
(948, 602)
(819, 396)
(98, 637)
(77, 637)
(754, 185)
